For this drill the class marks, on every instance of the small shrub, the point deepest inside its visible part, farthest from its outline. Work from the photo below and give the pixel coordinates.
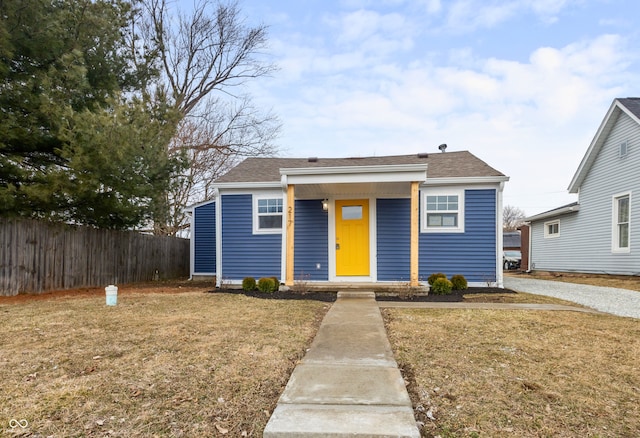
(434, 277)
(441, 286)
(267, 285)
(276, 282)
(249, 284)
(459, 282)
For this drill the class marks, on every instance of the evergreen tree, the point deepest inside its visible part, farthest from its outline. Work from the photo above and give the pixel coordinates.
(72, 146)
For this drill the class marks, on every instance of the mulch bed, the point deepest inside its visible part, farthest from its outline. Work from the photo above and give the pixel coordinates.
(454, 296)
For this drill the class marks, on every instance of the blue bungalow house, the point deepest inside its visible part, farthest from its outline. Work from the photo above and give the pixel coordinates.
(390, 219)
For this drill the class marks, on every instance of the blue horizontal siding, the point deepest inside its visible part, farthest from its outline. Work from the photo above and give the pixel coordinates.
(245, 254)
(204, 235)
(311, 241)
(393, 239)
(472, 253)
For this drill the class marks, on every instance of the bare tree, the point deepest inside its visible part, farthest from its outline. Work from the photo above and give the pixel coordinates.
(212, 144)
(205, 57)
(512, 218)
(209, 49)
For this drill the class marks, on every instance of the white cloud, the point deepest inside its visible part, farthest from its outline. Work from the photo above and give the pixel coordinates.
(468, 15)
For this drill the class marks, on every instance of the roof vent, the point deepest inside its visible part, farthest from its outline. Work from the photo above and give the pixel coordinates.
(313, 159)
(423, 155)
(442, 147)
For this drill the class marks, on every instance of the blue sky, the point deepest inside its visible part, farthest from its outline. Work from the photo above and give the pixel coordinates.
(522, 84)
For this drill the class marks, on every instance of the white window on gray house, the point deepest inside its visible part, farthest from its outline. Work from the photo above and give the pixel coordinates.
(551, 229)
(621, 222)
(443, 211)
(267, 217)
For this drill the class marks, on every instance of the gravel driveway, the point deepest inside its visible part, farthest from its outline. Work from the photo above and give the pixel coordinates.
(621, 302)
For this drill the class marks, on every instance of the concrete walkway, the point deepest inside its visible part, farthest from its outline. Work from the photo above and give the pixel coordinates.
(348, 383)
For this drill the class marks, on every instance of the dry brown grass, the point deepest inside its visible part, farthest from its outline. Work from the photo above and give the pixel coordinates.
(517, 298)
(620, 281)
(519, 373)
(189, 364)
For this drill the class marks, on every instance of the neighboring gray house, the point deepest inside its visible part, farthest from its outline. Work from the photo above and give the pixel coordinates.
(601, 232)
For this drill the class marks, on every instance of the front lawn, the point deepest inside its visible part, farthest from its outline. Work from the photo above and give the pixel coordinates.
(488, 373)
(189, 364)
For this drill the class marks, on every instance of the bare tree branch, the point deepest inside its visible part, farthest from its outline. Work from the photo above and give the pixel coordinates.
(512, 218)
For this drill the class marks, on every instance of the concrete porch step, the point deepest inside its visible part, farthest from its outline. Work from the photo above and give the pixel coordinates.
(333, 421)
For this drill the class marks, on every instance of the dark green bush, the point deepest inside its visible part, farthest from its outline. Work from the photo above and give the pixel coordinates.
(276, 282)
(267, 285)
(249, 284)
(441, 286)
(459, 282)
(434, 277)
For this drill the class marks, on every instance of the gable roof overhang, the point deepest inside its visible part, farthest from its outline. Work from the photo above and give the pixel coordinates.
(617, 107)
(560, 211)
(383, 180)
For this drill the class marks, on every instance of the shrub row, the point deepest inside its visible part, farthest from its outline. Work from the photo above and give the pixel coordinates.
(266, 284)
(440, 285)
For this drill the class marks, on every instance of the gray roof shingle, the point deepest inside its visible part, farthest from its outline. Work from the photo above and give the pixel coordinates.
(440, 165)
(632, 104)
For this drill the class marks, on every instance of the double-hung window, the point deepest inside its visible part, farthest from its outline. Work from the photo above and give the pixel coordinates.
(621, 222)
(551, 229)
(443, 211)
(267, 214)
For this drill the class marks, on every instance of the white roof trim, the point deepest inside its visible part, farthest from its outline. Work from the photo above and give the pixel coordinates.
(572, 208)
(353, 174)
(596, 144)
(190, 208)
(389, 168)
(248, 185)
(466, 180)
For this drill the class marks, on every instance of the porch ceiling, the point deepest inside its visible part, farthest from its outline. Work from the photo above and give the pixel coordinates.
(365, 189)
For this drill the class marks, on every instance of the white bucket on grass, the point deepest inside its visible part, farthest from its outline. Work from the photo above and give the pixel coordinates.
(112, 295)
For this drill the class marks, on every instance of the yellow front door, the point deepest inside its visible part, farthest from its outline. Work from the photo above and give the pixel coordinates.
(352, 238)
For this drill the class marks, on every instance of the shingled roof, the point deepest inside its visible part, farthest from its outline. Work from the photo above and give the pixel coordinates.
(440, 165)
(632, 104)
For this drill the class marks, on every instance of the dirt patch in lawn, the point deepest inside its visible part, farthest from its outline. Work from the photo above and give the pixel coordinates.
(519, 373)
(159, 363)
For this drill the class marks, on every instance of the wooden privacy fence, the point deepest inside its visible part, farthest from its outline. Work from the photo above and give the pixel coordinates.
(39, 256)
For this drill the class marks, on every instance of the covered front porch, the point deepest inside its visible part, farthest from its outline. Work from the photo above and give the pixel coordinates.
(357, 202)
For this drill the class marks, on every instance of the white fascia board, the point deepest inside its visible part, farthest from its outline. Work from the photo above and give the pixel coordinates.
(190, 208)
(465, 180)
(554, 213)
(248, 186)
(596, 145)
(355, 174)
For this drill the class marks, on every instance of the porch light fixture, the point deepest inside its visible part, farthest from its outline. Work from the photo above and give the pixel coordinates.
(325, 205)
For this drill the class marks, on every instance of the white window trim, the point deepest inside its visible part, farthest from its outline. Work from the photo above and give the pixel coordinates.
(442, 191)
(615, 238)
(548, 235)
(256, 221)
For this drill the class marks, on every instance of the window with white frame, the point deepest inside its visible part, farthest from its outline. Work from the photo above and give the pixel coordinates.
(621, 222)
(551, 229)
(267, 214)
(443, 211)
